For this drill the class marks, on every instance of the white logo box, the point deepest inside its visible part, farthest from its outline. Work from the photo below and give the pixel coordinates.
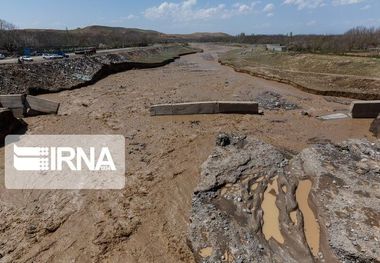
(64, 162)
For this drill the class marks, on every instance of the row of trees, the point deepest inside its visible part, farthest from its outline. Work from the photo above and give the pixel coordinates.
(356, 39)
(13, 39)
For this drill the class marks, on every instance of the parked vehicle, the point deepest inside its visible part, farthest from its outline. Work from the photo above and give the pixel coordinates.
(26, 58)
(2, 56)
(58, 55)
(46, 56)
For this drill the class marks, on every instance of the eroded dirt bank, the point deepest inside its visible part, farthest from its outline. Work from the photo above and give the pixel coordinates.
(148, 220)
(81, 71)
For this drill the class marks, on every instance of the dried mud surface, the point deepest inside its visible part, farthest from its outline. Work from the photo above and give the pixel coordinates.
(148, 220)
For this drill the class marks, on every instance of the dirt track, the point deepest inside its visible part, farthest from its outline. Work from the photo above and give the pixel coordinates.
(163, 155)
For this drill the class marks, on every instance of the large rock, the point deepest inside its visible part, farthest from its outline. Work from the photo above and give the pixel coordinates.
(228, 211)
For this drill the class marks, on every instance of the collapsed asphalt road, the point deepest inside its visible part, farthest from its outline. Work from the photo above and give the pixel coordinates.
(148, 220)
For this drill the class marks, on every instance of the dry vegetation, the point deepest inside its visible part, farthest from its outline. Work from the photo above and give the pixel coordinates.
(349, 76)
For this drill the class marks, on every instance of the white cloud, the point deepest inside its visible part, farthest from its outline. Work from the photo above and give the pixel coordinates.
(311, 23)
(243, 8)
(268, 9)
(301, 4)
(187, 11)
(366, 7)
(346, 2)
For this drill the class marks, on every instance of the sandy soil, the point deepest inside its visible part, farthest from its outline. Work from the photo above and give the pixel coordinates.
(164, 153)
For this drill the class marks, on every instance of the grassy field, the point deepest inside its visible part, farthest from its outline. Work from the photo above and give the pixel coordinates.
(349, 76)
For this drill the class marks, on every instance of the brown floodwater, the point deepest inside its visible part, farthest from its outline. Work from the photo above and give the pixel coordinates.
(271, 227)
(206, 252)
(311, 226)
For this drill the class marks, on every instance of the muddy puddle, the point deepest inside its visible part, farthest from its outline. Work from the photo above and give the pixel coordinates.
(206, 252)
(271, 227)
(311, 227)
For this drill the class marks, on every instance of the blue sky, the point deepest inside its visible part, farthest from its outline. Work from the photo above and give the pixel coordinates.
(186, 16)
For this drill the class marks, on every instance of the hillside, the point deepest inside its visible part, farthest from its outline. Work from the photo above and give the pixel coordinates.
(99, 36)
(88, 36)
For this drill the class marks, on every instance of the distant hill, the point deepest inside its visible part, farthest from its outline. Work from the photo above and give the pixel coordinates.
(197, 35)
(98, 36)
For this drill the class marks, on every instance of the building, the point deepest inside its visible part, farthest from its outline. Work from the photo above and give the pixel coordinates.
(276, 47)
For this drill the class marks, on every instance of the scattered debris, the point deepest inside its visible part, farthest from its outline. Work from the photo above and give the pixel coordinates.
(334, 116)
(273, 101)
(223, 140)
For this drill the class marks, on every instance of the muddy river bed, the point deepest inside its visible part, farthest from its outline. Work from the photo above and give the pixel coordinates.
(151, 219)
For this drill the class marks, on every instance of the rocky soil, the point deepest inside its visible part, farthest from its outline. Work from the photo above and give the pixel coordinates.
(271, 100)
(227, 217)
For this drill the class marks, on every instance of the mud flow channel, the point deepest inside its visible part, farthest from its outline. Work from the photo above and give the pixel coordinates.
(311, 227)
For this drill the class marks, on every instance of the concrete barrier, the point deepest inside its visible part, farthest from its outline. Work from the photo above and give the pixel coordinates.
(15, 103)
(365, 109)
(242, 107)
(36, 106)
(205, 107)
(26, 105)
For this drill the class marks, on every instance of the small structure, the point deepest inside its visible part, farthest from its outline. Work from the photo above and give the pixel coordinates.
(276, 47)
